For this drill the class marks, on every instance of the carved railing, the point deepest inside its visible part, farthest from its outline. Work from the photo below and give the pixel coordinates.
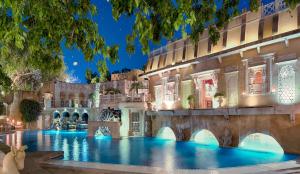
(273, 7)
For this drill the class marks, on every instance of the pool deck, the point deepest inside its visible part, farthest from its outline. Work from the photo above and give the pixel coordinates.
(47, 163)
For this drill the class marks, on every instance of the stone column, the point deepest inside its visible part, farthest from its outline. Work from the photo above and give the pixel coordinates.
(197, 94)
(269, 71)
(245, 63)
(164, 88)
(177, 94)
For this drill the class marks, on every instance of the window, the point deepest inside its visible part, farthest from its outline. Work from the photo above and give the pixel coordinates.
(135, 122)
(158, 96)
(186, 90)
(170, 91)
(257, 76)
(286, 85)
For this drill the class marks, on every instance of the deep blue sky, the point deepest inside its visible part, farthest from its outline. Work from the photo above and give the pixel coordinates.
(114, 32)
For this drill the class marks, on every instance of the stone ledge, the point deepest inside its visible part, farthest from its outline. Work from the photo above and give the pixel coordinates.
(271, 110)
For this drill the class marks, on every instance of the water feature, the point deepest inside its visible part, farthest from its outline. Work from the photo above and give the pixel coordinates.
(261, 142)
(166, 133)
(205, 137)
(140, 151)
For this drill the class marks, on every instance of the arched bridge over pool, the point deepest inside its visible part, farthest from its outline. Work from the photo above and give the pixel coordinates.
(250, 128)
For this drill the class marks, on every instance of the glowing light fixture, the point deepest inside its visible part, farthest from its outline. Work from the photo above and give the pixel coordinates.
(261, 142)
(166, 133)
(205, 137)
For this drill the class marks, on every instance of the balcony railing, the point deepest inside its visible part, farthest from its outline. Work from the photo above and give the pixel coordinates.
(273, 7)
(118, 98)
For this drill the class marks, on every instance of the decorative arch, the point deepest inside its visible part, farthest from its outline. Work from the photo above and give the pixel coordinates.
(56, 115)
(205, 137)
(166, 133)
(286, 85)
(66, 114)
(75, 116)
(261, 142)
(85, 117)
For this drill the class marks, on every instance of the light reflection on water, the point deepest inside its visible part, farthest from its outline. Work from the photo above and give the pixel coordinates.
(140, 151)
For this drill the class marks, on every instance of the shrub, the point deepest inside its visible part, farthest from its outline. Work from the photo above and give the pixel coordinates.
(2, 108)
(30, 110)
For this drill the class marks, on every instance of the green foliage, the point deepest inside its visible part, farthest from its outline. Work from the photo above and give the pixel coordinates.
(30, 110)
(32, 34)
(191, 98)
(2, 108)
(5, 81)
(136, 86)
(112, 91)
(91, 77)
(219, 94)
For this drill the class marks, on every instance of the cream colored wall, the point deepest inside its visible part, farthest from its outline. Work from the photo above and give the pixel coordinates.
(286, 22)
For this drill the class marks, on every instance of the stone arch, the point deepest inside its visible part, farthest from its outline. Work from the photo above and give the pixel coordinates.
(261, 142)
(166, 133)
(85, 117)
(75, 116)
(65, 115)
(56, 115)
(205, 137)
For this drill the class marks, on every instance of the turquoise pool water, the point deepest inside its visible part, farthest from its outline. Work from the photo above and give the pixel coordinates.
(140, 151)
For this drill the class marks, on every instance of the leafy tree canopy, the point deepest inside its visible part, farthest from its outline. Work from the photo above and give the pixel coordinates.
(30, 110)
(32, 34)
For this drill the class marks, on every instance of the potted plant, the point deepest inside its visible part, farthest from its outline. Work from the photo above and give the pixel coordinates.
(220, 96)
(191, 100)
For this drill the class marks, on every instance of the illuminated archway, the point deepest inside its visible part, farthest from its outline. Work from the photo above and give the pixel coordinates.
(261, 142)
(75, 116)
(166, 133)
(205, 137)
(66, 115)
(85, 117)
(56, 115)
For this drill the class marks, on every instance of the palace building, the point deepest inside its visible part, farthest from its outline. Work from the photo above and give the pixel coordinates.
(245, 85)
(254, 64)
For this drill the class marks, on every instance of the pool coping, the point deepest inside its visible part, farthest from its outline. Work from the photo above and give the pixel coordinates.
(51, 161)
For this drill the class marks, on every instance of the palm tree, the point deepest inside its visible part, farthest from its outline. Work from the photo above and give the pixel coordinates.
(136, 86)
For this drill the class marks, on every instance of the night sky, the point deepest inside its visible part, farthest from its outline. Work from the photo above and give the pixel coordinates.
(114, 32)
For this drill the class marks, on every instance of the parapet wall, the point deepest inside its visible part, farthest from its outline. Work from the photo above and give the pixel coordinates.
(230, 130)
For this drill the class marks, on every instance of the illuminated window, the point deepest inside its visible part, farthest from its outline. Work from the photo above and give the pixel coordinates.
(170, 92)
(286, 85)
(135, 122)
(158, 96)
(186, 91)
(257, 76)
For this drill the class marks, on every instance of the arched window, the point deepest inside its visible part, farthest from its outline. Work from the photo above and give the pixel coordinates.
(257, 80)
(286, 85)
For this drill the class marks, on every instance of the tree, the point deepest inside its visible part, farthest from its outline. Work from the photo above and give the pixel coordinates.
(32, 34)
(156, 19)
(136, 86)
(30, 110)
(91, 77)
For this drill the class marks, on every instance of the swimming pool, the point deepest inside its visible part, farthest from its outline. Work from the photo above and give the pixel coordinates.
(140, 151)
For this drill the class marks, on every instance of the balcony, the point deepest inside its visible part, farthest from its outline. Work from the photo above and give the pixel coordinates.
(273, 7)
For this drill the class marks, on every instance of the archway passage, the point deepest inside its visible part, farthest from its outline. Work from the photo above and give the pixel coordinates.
(205, 137)
(66, 115)
(56, 115)
(85, 117)
(261, 142)
(75, 116)
(166, 133)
